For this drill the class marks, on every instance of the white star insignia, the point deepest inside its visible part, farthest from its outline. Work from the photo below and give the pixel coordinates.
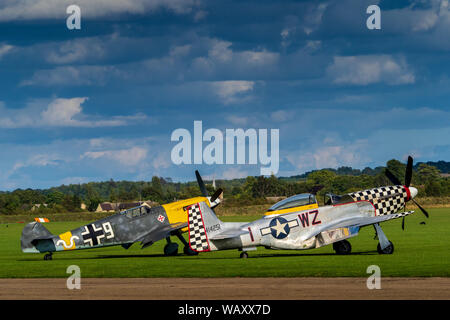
(279, 228)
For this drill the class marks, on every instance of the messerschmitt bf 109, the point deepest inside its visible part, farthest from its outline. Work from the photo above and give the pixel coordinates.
(299, 223)
(140, 224)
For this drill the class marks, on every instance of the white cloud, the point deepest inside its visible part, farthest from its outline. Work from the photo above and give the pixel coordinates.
(77, 50)
(56, 9)
(72, 76)
(4, 49)
(59, 112)
(234, 173)
(232, 91)
(40, 160)
(369, 69)
(237, 120)
(330, 156)
(127, 157)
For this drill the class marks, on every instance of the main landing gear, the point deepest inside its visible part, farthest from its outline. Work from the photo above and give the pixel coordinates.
(243, 255)
(48, 256)
(342, 247)
(171, 248)
(384, 245)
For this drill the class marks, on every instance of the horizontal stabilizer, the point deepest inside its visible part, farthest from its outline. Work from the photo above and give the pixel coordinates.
(36, 238)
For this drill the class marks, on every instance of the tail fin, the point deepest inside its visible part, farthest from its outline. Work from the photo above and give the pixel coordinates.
(202, 223)
(36, 238)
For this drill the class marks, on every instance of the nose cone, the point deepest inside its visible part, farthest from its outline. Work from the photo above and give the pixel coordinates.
(413, 192)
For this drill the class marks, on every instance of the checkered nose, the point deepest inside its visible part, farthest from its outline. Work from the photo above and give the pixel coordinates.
(413, 192)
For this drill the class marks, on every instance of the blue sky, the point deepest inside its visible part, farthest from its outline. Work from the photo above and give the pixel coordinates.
(102, 102)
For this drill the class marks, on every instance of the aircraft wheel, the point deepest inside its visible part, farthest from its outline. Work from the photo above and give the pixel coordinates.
(388, 250)
(244, 255)
(342, 247)
(48, 256)
(171, 249)
(188, 251)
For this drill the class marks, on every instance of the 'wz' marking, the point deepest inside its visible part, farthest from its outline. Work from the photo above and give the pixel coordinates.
(304, 218)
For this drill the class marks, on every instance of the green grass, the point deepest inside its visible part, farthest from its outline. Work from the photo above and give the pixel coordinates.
(420, 251)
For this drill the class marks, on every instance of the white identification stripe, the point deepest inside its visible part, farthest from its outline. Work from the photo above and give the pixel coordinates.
(293, 223)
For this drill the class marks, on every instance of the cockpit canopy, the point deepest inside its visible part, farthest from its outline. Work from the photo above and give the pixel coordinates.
(136, 211)
(330, 198)
(298, 200)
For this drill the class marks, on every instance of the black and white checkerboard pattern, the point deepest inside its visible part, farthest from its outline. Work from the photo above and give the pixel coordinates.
(399, 215)
(197, 234)
(386, 200)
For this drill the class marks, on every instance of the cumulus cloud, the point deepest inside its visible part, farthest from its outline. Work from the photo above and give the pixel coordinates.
(72, 76)
(127, 157)
(59, 112)
(369, 69)
(232, 91)
(39, 160)
(330, 156)
(5, 49)
(56, 9)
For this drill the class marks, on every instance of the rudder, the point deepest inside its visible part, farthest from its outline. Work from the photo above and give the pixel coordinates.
(202, 222)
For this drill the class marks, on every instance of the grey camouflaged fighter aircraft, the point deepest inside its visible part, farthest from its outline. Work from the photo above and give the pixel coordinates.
(140, 224)
(299, 223)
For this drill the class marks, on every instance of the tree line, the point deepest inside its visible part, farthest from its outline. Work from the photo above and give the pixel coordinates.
(251, 190)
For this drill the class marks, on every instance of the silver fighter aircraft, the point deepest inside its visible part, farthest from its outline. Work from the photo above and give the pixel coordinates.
(299, 223)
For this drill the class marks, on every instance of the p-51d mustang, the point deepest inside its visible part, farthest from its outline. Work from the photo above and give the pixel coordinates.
(140, 224)
(299, 223)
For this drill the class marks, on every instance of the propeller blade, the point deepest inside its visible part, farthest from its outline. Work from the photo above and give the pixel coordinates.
(408, 173)
(403, 223)
(201, 184)
(422, 209)
(216, 195)
(391, 177)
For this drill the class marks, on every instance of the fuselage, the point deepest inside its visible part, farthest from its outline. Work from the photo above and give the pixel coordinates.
(122, 228)
(307, 227)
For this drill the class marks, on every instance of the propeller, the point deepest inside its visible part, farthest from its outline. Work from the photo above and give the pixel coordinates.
(408, 176)
(202, 186)
(216, 195)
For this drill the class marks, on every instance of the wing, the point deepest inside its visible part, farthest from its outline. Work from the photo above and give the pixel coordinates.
(358, 221)
(160, 233)
(365, 221)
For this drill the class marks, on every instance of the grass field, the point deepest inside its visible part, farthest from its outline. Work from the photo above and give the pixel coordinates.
(420, 251)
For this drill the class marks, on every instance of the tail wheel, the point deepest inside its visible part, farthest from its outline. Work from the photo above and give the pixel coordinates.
(388, 250)
(342, 247)
(48, 256)
(188, 251)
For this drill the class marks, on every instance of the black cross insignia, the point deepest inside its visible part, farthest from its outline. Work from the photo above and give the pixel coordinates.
(92, 235)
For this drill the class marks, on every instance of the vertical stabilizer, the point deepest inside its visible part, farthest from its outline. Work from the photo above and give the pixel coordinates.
(202, 223)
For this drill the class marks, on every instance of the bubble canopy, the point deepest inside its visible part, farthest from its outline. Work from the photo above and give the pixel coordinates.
(294, 201)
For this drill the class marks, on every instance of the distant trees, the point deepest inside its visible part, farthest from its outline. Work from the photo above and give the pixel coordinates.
(251, 190)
